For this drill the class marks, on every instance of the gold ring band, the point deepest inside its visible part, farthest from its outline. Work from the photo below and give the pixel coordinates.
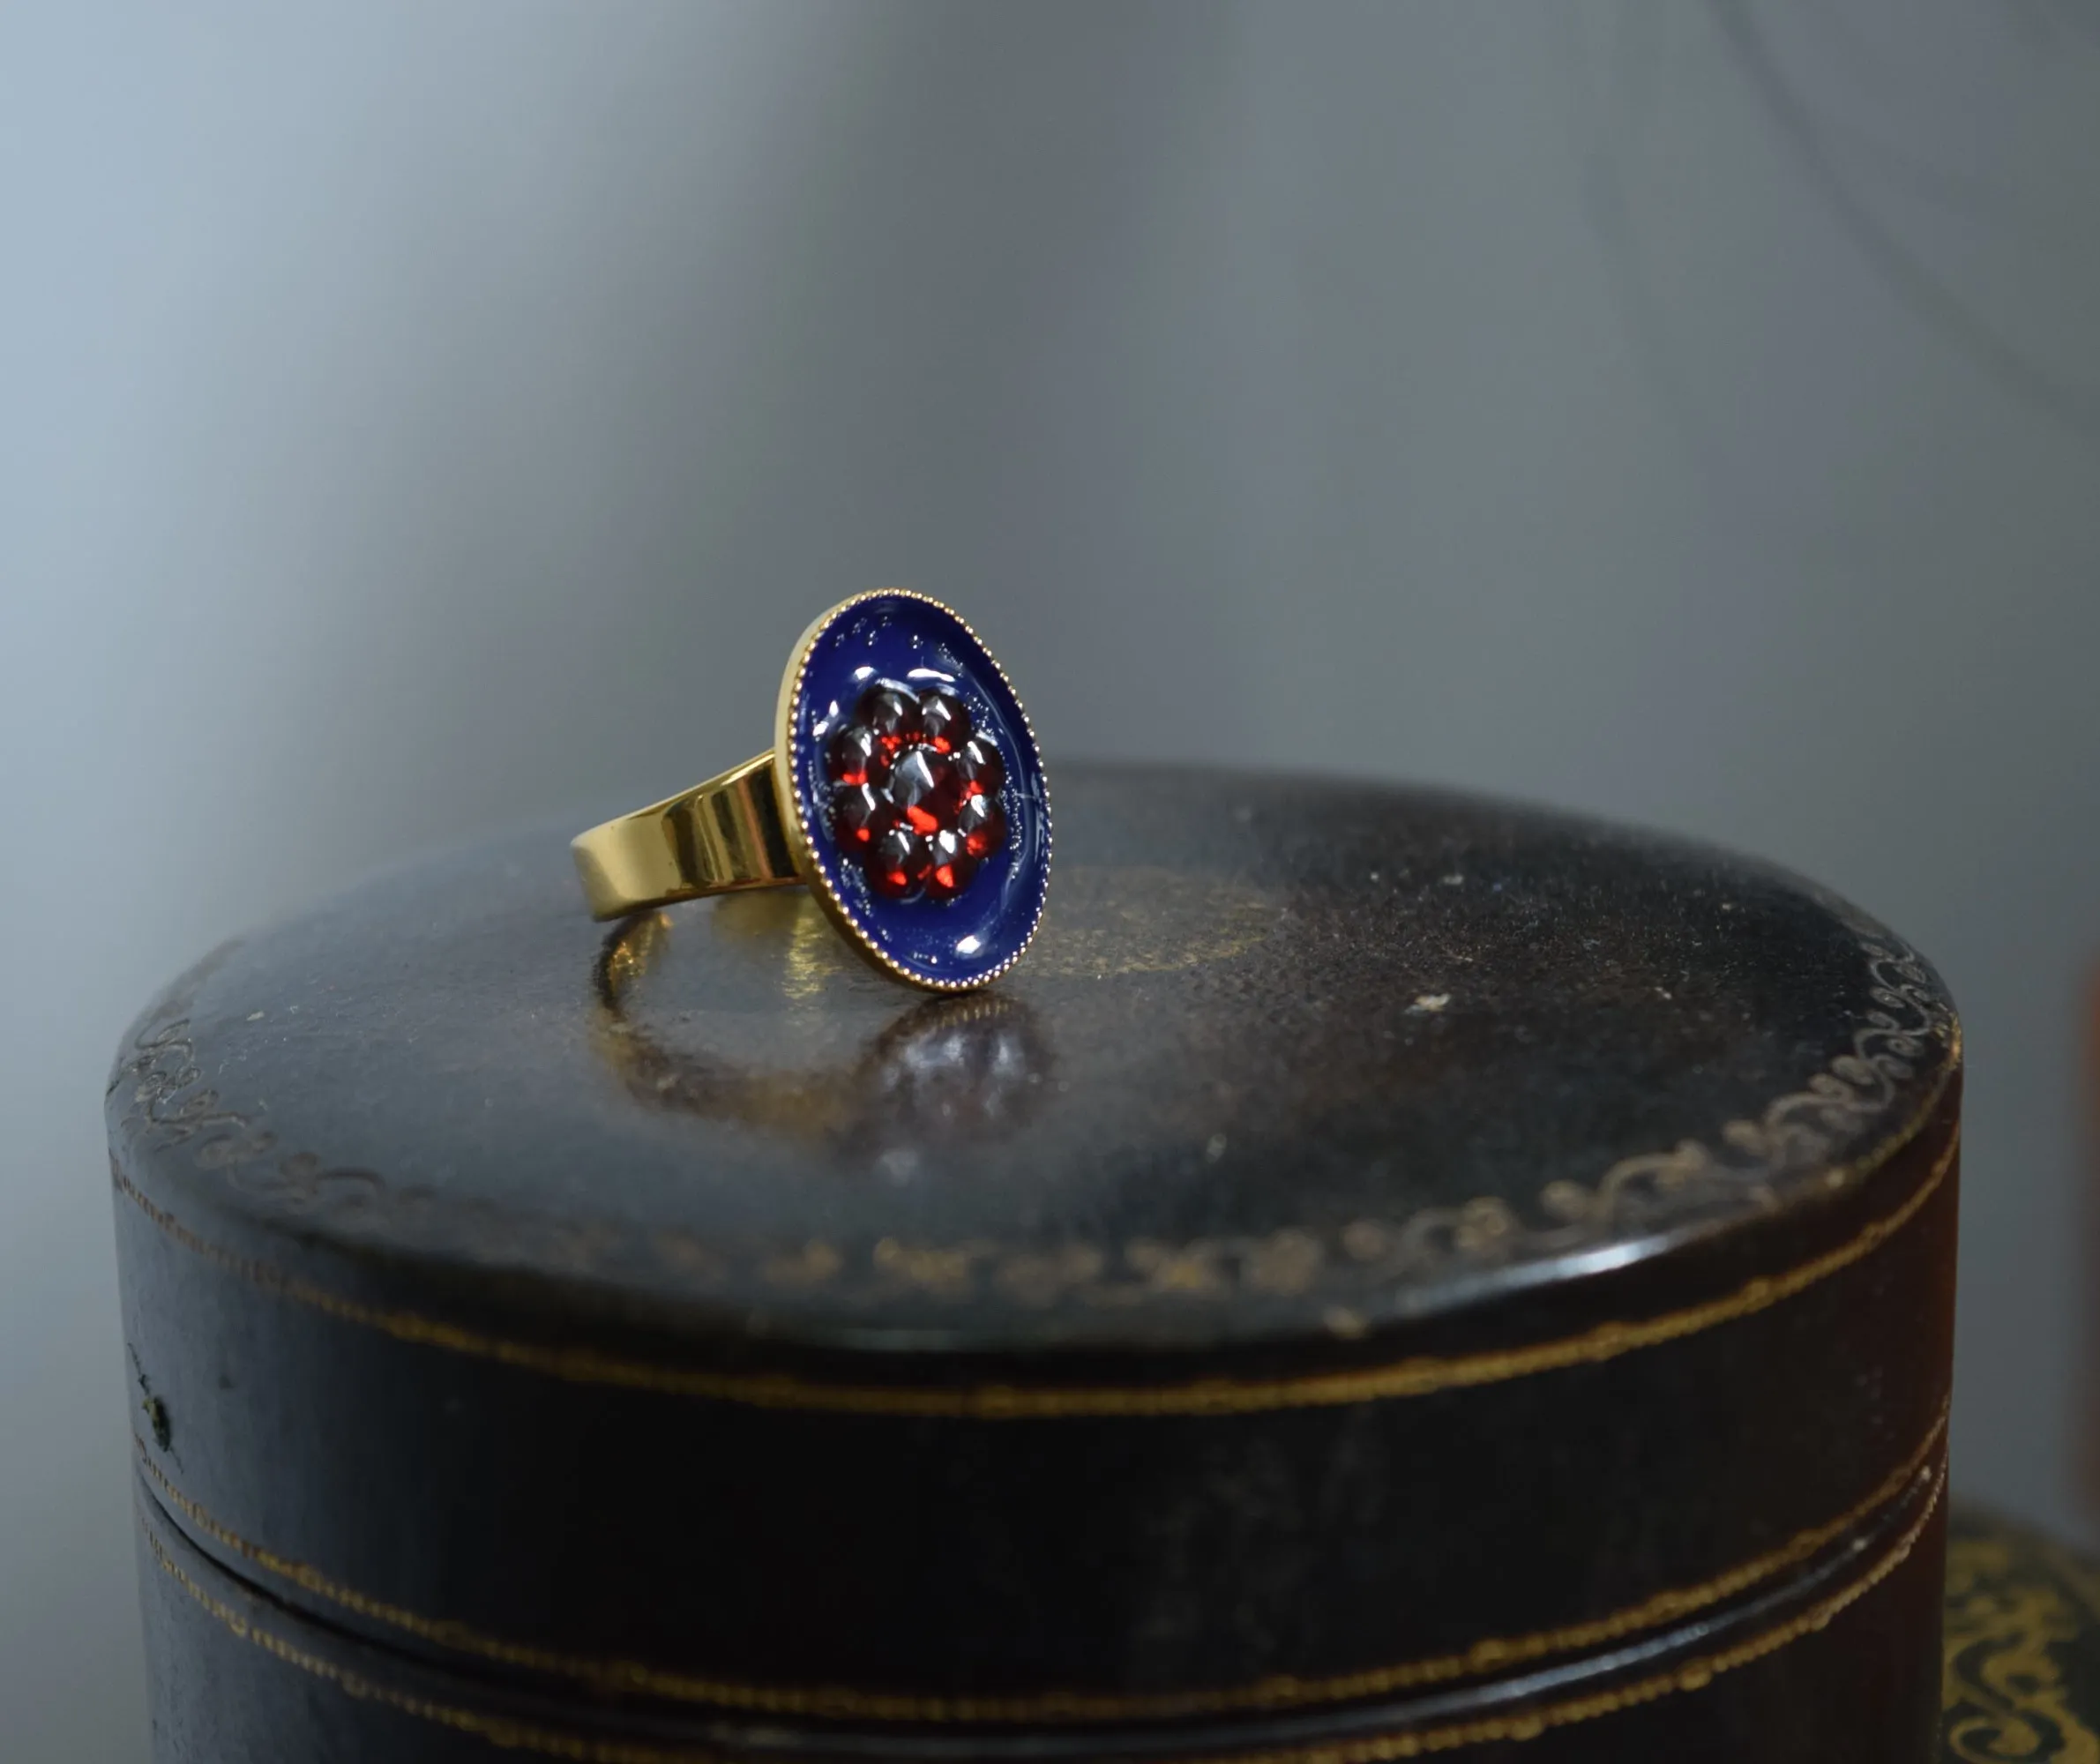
(721, 836)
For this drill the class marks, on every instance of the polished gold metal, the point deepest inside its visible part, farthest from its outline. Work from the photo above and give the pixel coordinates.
(723, 835)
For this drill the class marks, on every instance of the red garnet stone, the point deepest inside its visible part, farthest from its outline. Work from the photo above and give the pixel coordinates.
(915, 793)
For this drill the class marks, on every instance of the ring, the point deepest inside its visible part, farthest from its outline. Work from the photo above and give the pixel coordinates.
(903, 789)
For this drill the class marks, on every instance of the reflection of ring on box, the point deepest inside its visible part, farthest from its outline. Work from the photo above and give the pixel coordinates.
(943, 1072)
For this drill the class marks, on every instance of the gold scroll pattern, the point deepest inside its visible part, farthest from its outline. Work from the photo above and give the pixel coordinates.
(2004, 1694)
(1744, 1167)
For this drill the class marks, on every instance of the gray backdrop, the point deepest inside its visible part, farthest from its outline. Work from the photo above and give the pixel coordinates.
(417, 417)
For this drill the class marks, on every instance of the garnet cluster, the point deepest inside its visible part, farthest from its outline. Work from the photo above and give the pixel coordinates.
(915, 793)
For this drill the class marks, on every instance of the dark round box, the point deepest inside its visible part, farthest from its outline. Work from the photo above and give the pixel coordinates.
(1389, 1274)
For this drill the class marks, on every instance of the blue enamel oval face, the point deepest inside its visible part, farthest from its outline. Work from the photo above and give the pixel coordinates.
(896, 849)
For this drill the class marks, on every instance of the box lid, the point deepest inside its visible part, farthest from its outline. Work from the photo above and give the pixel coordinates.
(1378, 1243)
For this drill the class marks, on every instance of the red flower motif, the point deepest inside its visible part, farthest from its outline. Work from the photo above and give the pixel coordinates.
(915, 793)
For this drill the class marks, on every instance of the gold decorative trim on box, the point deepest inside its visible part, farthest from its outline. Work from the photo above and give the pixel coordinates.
(1491, 1653)
(2011, 1603)
(1795, 1138)
(1522, 1725)
(1422, 1375)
